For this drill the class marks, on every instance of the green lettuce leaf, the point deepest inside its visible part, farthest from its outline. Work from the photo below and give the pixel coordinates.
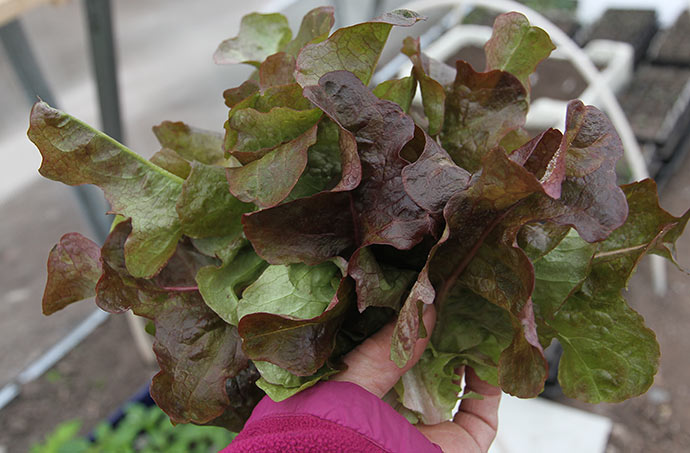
(355, 49)
(258, 121)
(517, 47)
(169, 160)
(258, 132)
(268, 180)
(74, 153)
(325, 162)
(428, 388)
(225, 248)
(400, 91)
(469, 331)
(192, 144)
(608, 352)
(433, 92)
(315, 27)
(561, 272)
(280, 384)
(206, 208)
(297, 290)
(221, 286)
(475, 330)
(260, 35)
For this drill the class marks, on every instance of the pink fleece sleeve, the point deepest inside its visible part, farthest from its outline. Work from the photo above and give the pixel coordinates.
(329, 417)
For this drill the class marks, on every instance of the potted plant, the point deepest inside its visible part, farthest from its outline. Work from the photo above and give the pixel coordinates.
(328, 208)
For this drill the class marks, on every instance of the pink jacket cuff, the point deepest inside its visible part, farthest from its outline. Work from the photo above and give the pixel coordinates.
(331, 416)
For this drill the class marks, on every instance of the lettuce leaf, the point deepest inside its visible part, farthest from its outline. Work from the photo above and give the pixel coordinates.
(74, 153)
(264, 255)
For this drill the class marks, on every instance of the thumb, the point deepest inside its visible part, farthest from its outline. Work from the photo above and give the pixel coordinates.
(369, 364)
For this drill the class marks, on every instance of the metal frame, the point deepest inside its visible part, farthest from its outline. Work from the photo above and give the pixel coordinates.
(90, 199)
(104, 63)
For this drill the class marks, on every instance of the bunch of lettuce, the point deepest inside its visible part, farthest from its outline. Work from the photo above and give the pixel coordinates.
(327, 209)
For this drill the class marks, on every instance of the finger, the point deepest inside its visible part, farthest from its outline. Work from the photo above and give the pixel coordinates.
(479, 417)
(450, 437)
(369, 364)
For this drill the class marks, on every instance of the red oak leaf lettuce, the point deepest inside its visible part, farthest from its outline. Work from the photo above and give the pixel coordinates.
(264, 255)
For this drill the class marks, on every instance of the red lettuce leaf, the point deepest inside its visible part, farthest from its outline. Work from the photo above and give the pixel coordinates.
(480, 108)
(118, 291)
(308, 230)
(468, 254)
(544, 157)
(350, 163)
(244, 395)
(234, 96)
(196, 350)
(433, 178)
(409, 326)
(385, 213)
(378, 284)
(277, 69)
(300, 346)
(73, 270)
(197, 353)
(590, 200)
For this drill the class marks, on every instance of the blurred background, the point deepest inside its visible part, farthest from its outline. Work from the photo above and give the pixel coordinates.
(127, 65)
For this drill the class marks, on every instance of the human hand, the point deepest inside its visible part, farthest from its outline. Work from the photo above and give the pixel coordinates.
(474, 426)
